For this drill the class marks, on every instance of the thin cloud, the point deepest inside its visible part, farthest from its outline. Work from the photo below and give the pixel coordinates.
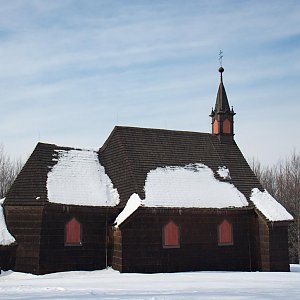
(94, 64)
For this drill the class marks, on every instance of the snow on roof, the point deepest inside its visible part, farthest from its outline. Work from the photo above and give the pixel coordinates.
(78, 178)
(131, 206)
(269, 207)
(193, 185)
(224, 172)
(5, 237)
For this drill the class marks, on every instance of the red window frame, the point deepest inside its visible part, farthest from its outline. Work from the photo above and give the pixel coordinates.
(73, 233)
(225, 233)
(171, 235)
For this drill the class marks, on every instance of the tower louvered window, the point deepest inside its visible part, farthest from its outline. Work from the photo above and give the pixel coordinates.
(227, 126)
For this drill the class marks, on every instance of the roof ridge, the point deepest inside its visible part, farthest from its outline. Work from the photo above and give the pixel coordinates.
(158, 129)
(61, 147)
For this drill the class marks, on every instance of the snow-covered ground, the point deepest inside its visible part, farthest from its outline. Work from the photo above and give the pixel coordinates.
(110, 284)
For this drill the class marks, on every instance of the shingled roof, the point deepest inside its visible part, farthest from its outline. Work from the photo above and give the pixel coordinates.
(63, 175)
(222, 104)
(30, 185)
(130, 153)
(120, 168)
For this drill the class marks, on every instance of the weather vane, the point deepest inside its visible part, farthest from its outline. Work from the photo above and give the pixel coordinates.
(220, 57)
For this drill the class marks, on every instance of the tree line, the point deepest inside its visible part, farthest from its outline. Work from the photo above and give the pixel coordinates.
(9, 169)
(282, 180)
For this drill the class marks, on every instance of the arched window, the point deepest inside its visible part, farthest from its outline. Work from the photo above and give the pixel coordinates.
(171, 236)
(73, 233)
(226, 126)
(225, 236)
(215, 127)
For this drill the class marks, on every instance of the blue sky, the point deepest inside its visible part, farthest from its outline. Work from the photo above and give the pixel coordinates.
(72, 70)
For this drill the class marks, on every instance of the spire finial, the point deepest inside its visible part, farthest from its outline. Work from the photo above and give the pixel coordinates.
(221, 69)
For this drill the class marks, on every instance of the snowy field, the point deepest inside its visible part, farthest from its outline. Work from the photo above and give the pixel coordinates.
(110, 284)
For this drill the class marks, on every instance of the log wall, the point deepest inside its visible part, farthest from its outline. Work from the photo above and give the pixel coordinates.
(279, 254)
(7, 257)
(25, 224)
(142, 249)
(92, 254)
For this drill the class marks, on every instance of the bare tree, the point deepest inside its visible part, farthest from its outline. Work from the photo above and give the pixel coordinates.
(9, 169)
(283, 181)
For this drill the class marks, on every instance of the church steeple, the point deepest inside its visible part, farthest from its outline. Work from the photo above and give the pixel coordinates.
(222, 115)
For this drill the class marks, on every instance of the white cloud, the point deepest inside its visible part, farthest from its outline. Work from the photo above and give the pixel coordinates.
(97, 63)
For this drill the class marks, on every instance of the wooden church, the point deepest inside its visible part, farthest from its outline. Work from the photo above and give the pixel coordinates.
(150, 200)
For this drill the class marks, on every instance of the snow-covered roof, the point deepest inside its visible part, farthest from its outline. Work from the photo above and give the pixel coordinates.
(5, 237)
(78, 178)
(193, 185)
(269, 207)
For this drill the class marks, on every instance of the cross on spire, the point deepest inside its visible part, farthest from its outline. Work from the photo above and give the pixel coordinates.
(220, 57)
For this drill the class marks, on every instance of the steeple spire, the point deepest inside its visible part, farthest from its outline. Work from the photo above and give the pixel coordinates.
(222, 103)
(222, 116)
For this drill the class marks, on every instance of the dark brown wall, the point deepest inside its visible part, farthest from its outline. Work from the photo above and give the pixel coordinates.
(7, 257)
(264, 244)
(272, 245)
(39, 232)
(117, 250)
(137, 245)
(91, 255)
(142, 249)
(279, 254)
(24, 223)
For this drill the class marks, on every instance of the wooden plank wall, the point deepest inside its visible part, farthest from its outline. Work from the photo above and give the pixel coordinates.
(117, 250)
(279, 254)
(142, 249)
(24, 223)
(264, 245)
(7, 257)
(91, 255)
